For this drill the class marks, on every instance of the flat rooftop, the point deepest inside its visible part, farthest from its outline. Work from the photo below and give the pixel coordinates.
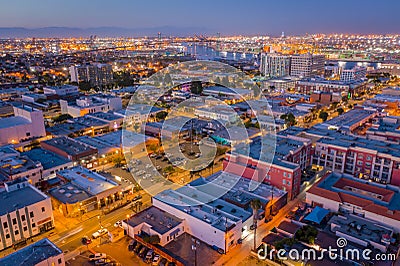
(385, 126)
(141, 109)
(204, 212)
(33, 254)
(360, 228)
(105, 116)
(13, 121)
(65, 129)
(70, 193)
(350, 118)
(225, 90)
(157, 219)
(129, 138)
(68, 145)
(96, 143)
(235, 133)
(89, 121)
(285, 145)
(262, 148)
(20, 198)
(241, 186)
(16, 164)
(379, 194)
(47, 158)
(357, 142)
(382, 200)
(87, 180)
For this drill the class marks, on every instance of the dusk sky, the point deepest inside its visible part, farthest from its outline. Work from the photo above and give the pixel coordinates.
(227, 17)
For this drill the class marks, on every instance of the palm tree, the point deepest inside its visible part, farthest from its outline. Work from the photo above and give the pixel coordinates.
(255, 204)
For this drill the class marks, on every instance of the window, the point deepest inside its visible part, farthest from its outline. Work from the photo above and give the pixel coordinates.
(28, 134)
(23, 217)
(16, 232)
(59, 261)
(25, 228)
(5, 225)
(284, 181)
(7, 236)
(284, 174)
(33, 225)
(14, 221)
(43, 209)
(31, 215)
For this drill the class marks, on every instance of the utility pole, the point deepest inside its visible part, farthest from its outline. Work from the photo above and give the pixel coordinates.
(195, 245)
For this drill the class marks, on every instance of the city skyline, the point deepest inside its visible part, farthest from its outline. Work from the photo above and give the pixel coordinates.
(208, 17)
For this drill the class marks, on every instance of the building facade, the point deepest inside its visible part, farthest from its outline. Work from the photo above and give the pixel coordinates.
(96, 74)
(307, 65)
(275, 65)
(25, 212)
(26, 124)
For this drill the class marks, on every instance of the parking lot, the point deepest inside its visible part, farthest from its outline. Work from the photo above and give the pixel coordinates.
(182, 247)
(84, 260)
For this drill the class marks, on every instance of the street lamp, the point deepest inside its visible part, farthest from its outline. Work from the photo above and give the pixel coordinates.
(195, 245)
(127, 225)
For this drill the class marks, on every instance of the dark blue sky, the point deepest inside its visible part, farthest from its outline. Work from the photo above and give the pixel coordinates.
(227, 17)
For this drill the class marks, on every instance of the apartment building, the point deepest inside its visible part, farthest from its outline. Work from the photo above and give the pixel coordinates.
(275, 65)
(307, 65)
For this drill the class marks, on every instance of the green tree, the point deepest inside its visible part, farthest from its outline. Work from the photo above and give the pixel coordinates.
(306, 234)
(84, 86)
(161, 115)
(323, 115)
(196, 87)
(290, 119)
(255, 205)
(62, 118)
(153, 239)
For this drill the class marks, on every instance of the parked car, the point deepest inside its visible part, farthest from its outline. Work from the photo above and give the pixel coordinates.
(132, 245)
(97, 256)
(156, 259)
(86, 240)
(102, 261)
(149, 255)
(138, 248)
(142, 252)
(163, 262)
(138, 197)
(99, 233)
(219, 250)
(118, 224)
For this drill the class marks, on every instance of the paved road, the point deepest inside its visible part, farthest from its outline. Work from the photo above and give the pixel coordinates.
(71, 239)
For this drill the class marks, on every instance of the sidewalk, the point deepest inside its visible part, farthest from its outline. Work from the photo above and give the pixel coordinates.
(63, 223)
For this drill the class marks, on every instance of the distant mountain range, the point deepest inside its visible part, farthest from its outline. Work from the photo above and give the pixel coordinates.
(64, 32)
